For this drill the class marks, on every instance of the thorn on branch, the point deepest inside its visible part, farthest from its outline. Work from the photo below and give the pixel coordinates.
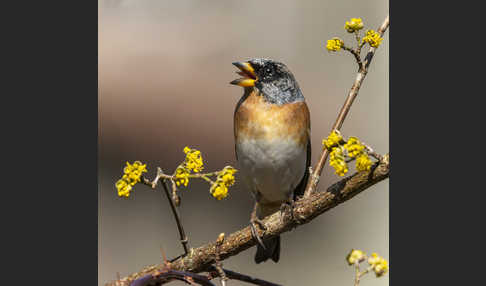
(164, 257)
(218, 265)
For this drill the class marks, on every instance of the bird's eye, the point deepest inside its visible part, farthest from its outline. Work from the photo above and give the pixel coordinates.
(268, 73)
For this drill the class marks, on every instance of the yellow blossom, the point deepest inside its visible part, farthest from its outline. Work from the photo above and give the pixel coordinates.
(372, 38)
(355, 256)
(373, 259)
(379, 264)
(354, 147)
(226, 175)
(355, 24)
(336, 160)
(334, 44)
(123, 188)
(333, 139)
(225, 179)
(132, 175)
(381, 269)
(219, 190)
(193, 160)
(363, 162)
(133, 172)
(182, 176)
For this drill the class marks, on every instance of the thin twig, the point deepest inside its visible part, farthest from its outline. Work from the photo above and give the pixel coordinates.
(175, 197)
(160, 174)
(357, 276)
(183, 237)
(245, 278)
(312, 184)
(350, 160)
(371, 152)
(360, 45)
(305, 210)
(356, 54)
(356, 33)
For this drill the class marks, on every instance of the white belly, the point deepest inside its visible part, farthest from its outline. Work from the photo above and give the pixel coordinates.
(272, 168)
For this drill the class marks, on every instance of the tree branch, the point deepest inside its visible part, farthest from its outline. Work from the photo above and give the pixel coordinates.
(201, 258)
(363, 70)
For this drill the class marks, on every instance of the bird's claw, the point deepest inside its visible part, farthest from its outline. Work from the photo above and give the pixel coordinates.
(289, 206)
(254, 232)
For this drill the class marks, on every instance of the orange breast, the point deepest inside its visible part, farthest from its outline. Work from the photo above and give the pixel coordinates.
(258, 119)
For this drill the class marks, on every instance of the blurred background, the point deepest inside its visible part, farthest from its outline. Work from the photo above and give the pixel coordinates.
(164, 73)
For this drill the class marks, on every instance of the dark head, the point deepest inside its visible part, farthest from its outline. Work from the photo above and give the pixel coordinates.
(272, 79)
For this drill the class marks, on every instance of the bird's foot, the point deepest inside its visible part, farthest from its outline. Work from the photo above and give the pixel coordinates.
(289, 206)
(254, 232)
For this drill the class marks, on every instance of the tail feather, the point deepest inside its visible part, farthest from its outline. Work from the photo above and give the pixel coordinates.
(272, 246)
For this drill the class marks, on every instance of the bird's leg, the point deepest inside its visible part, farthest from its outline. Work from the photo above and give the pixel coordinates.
(289, 205)
(254, 220)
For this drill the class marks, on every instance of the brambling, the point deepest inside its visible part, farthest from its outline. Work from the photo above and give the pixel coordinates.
(272, 138)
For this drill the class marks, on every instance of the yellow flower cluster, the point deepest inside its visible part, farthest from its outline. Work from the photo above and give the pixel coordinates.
(363, 162)
(355, 256)
(333, 139)
(372, 38)
(334, 44)
(123, 188)
(182, 176)
(193, 162)
(379, 264)
(355, 24)
(194, 159)
(336, 160)
(225, 178)
(355, 150)
(132, 175)
(354, 147)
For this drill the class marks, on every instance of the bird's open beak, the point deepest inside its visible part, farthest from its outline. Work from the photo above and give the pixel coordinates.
(248, 73)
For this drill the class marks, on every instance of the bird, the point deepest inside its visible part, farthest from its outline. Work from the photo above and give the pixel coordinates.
(272, 142)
